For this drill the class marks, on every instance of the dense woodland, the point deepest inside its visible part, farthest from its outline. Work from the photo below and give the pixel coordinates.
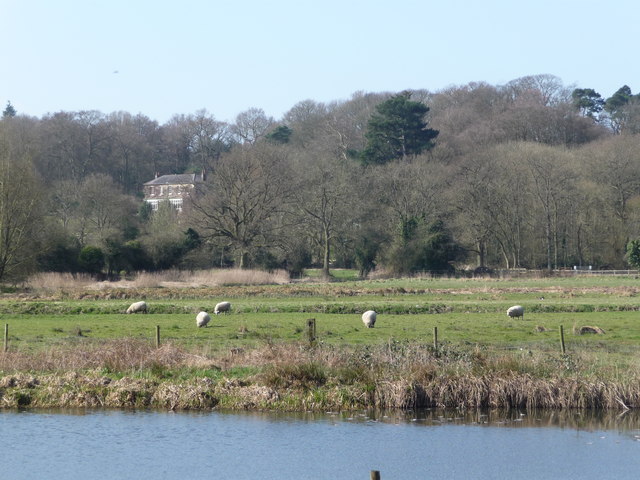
(531, 174)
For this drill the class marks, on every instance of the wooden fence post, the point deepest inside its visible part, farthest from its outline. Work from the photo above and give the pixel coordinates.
(311, 330)
(6, 337)
(435, 339)
(375, 475)
(562, 339)
(157, 336)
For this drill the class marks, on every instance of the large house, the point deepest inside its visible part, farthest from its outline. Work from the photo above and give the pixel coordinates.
(172, 188)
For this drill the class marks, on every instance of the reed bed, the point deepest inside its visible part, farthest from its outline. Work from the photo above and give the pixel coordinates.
(48, 281)
(214, 277)
(52, 281)
(397, 375)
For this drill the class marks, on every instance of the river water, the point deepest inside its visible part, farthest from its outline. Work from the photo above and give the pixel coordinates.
(115, 444)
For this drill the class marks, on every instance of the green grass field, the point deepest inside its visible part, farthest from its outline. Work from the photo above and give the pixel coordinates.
(77, 347)
(466, 312)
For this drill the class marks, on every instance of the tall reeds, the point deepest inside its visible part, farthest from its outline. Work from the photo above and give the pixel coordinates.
(52, 281)
(132, 373)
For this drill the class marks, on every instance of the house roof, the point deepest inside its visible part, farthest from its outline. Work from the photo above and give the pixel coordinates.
(178, 179)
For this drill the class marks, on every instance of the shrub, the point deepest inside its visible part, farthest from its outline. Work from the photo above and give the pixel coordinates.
(305, 375)
(91, 259)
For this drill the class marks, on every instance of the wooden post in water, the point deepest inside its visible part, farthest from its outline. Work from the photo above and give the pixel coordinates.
(157, 336)
(562, 339)
(435, 339)
(375, 475)
(311, 330)
(6, 337)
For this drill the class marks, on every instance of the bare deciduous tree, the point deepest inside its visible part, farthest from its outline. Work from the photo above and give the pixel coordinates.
(326, 200)
(245, 205)
(20, 210)
(252, 125)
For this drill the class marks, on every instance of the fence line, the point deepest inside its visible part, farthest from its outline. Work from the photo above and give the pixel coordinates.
(525, 273)
(606, 272)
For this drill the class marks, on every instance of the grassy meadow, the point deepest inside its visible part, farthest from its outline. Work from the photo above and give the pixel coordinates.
(259, 356)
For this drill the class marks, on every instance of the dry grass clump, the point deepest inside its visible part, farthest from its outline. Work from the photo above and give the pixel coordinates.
(60, 281)
(122, 355)
(157, 279)
(52, 281)
(238, 276)
(213, 277)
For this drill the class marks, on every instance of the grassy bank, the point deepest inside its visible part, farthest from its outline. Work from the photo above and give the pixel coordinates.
(73, 347)
(130, 373)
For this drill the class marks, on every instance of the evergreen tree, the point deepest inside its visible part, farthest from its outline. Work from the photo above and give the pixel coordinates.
(619, 107)
(280, 135)
(9, 111)
(397, 130)
(633, 253)
(618, 100)
(91, 259)
(588, 101)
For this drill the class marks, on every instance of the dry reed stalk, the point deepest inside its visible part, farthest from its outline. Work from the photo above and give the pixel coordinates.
(116, 355)
(52, 281)
(150, 279)
(238, 276)
(59, 281)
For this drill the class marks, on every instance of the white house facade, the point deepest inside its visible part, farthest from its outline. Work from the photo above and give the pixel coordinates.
(174, 189)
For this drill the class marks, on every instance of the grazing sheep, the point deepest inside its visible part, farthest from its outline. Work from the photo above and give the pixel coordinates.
(202, 319)
(222, 307)
(137, 307)
(369, 318)
(516, 311)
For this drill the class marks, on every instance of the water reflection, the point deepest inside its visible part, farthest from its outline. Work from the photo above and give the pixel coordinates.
(588, 420)
(575, 419)
(96, 444)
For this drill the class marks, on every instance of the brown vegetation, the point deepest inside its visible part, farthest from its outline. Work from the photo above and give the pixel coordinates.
(129, 373)
(589, 329)
(52, 281)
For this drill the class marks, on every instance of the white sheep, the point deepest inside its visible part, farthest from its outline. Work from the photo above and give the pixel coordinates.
(516, 311)
(369, 318)
(222, 307)
(137, 307)
(202, 319)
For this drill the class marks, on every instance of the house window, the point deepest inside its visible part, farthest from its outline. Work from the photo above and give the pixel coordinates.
(154, 204)
(177, 203)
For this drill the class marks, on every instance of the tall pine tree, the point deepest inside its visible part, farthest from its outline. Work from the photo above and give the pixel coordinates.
(397, 130)
(9, 111)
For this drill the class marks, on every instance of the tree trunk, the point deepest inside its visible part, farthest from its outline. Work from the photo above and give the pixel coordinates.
(505, 254)
(549, 241)
(481, 252)
(244, 259)
(326, 254)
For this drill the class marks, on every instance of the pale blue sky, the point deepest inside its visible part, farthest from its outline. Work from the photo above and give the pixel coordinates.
(176, 57)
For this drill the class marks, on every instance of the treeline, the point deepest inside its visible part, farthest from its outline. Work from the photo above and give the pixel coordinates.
(531, 174)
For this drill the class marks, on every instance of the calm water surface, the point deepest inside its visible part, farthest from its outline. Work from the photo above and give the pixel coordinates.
(157, 445)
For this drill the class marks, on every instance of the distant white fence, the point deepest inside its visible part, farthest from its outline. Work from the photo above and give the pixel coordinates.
(602, 272)
(564, 272)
